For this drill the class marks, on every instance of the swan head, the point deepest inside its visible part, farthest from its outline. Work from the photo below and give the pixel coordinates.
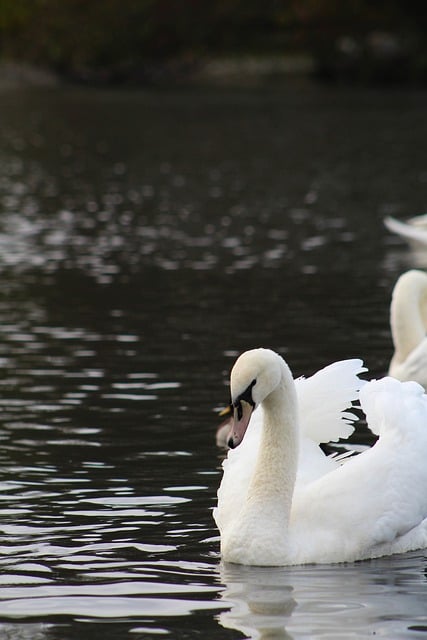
(255, 374)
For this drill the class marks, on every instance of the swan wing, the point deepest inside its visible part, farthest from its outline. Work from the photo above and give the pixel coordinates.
(377, 502)
(412, 231)
(397, 412)
(325, 398)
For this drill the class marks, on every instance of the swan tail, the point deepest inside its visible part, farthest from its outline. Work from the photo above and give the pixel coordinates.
(326, 416)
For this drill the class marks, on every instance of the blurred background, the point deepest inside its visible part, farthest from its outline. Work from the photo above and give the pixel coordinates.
(145, 41)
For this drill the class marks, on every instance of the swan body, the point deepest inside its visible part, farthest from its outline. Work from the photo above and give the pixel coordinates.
(408, 320)
(373, 505)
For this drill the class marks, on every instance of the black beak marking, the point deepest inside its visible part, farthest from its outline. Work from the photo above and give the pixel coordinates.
(246, 396)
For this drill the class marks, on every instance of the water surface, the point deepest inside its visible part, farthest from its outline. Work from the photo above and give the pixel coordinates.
(146, 238)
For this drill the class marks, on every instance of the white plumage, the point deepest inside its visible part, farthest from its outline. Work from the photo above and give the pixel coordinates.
(408, 321)
(414, 230)
(278, 507)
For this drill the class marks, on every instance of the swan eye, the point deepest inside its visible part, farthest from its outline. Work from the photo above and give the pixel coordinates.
(246, 396)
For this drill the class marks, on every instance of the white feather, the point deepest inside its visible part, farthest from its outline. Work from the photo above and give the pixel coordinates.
(414, 229)
(375, 504)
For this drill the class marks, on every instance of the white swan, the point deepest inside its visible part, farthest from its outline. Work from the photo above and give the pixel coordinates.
(414, 230)
(375, 504)
(408, 320)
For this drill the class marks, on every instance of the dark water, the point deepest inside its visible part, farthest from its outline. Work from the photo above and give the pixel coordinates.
(146, 238)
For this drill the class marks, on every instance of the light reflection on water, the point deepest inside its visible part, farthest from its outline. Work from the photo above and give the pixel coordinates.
(145, 240)
(194, 183)
(91, 521)
(88, 546)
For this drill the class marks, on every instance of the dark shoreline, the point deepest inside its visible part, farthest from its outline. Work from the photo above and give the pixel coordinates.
(225, 70)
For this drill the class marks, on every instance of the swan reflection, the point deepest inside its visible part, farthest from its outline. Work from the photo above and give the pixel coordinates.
(386, 597)
(262, 601)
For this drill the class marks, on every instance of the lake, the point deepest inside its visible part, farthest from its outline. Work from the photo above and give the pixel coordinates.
(148, 237)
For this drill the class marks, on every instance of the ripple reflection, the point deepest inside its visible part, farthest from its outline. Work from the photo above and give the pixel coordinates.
(385, 597)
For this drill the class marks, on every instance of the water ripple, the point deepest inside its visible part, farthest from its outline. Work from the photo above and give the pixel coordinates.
(146, 239)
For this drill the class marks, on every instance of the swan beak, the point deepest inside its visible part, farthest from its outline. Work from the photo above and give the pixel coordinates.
(241, 418)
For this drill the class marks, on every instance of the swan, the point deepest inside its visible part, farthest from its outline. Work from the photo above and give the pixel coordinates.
(408, 321)
(414, 229)
(373, 505)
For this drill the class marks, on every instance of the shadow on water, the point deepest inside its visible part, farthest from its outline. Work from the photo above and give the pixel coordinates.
(145, 240)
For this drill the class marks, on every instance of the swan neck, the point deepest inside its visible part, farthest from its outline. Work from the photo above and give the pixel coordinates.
(260, 533)
(275, 471)
(408, 316)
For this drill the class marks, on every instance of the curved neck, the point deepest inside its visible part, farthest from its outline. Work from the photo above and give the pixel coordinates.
(273, 481)
(259, 533)
(406, 315)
